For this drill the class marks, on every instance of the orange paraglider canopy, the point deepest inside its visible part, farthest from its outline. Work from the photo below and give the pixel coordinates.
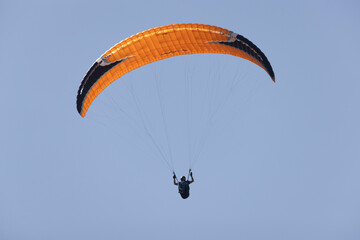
(160, 43)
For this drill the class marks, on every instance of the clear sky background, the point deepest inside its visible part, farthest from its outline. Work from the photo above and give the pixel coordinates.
(277, 161)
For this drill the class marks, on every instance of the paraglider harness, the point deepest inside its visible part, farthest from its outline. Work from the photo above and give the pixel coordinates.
(183, 186)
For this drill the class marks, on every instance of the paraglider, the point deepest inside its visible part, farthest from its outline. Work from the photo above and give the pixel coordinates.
(161, 43)
(183, 185)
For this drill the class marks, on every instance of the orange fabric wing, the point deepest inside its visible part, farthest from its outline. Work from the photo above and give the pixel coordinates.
(160, 43)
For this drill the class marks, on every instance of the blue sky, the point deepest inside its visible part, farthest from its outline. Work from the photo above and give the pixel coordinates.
(278, 161)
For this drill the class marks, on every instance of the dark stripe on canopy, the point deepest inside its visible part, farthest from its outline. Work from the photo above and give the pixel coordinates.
(248, 47)
(91, 77)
